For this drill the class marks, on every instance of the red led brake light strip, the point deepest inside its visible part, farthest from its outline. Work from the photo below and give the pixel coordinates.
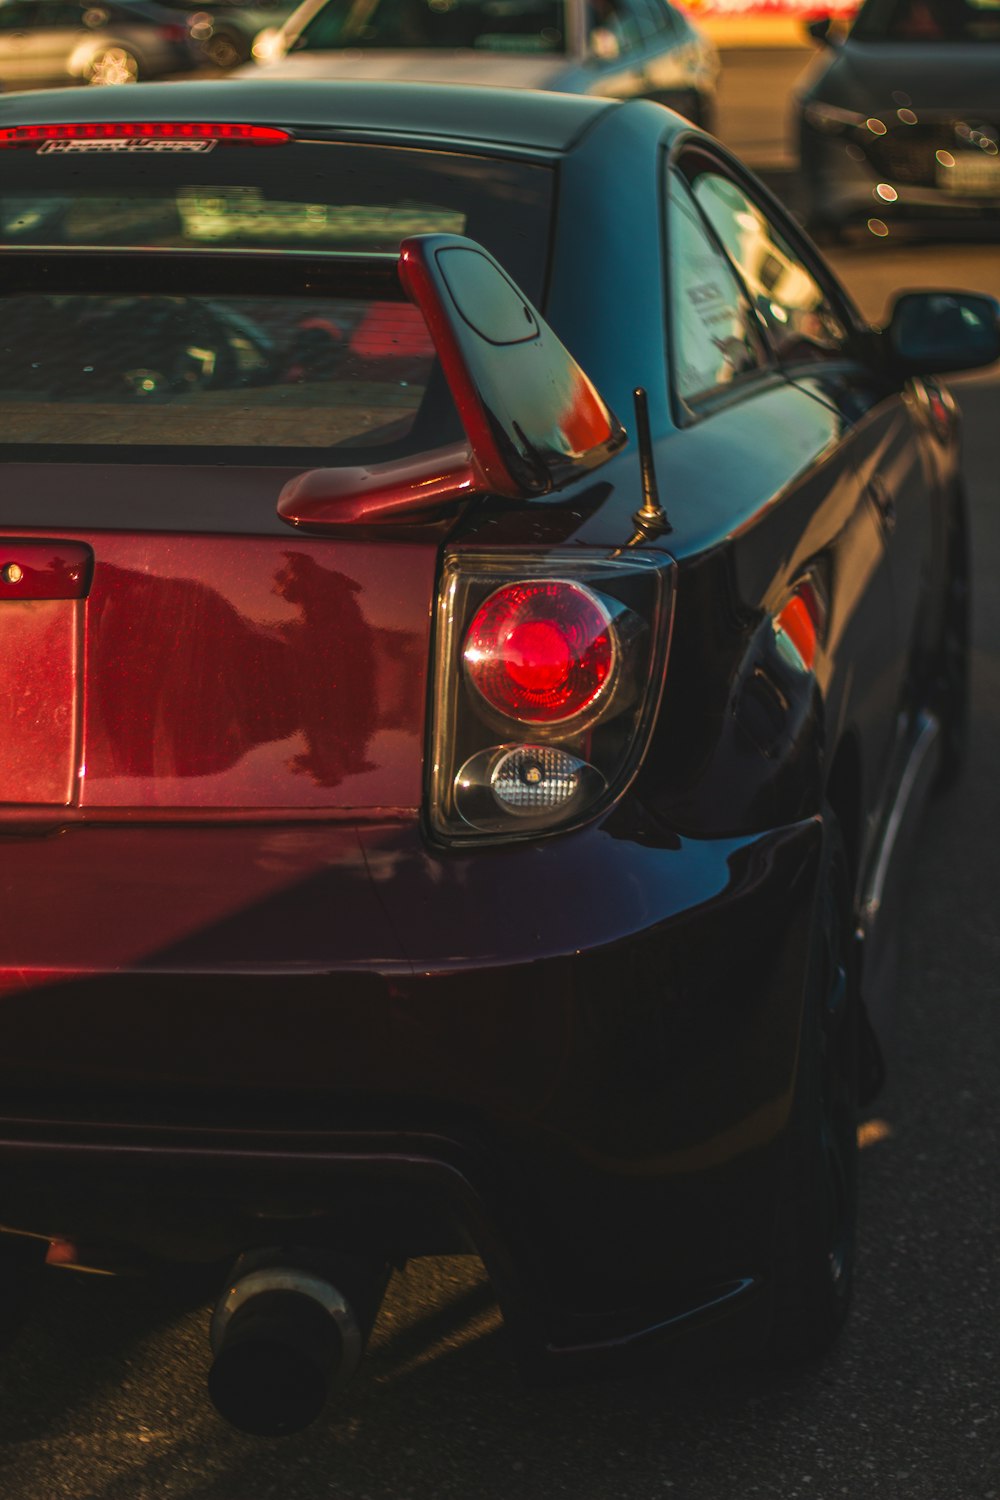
(173, 130)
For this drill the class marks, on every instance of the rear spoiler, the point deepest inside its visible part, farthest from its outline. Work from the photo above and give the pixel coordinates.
(532, 418)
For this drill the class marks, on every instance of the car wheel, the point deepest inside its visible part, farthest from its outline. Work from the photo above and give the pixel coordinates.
(950, 698)
(113, 66)
(817, 1207)
(224, 51)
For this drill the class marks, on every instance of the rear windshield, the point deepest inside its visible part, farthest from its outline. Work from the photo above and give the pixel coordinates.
(292, 368)
(486, 25)
(928, 21)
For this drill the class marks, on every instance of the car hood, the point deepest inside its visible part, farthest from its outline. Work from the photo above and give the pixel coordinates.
(505, 70)
(872, 77)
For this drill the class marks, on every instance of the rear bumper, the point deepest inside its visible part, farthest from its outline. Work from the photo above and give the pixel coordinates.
(599, 1111)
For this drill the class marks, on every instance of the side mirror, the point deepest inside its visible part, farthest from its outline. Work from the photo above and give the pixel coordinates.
(532, 418)
(932, 333)
(819, 30)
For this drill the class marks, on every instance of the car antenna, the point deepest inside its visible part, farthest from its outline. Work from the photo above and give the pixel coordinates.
(650, 519)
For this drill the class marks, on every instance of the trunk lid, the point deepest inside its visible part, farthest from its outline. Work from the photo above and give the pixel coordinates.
(283, 673)
(179, 340)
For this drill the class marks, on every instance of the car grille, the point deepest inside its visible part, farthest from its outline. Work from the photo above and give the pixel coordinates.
(907, 153)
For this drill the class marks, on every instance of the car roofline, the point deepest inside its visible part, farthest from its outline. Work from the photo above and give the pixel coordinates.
(508, 120)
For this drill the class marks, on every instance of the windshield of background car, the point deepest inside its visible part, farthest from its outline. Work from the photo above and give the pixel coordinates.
(486, 25)
(929, 21)
(304, 367)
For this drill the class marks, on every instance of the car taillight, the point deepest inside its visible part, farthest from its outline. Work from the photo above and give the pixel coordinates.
(548, 672)
(174, 33)
(541, 652)
(94, 134)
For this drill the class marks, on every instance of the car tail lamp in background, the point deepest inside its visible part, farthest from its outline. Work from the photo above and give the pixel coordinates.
(548, 673)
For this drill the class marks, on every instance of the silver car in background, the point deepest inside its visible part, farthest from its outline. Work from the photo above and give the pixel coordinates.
(620, 49)
(64, 41)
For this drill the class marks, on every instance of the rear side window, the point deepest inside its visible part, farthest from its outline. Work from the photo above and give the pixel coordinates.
(713, 337)
(283, 369)
(800, 320)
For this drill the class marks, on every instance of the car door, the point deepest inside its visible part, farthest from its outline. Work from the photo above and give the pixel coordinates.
(790, 508)
(811, 336)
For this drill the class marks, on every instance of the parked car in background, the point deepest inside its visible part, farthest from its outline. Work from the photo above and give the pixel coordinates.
(900, 119)
(226, 30)
(65, 41)
(479, 626)
(620, 49)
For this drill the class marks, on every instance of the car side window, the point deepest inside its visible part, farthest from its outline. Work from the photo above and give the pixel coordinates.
(798, 315)
(713, 332)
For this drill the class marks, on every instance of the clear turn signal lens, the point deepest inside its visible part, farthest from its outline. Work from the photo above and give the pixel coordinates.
(532, 783)
(535, 778)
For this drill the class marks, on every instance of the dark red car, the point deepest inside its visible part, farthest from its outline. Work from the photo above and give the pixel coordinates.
(455, 754)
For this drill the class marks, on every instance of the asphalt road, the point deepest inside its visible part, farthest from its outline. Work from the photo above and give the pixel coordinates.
(102, 1393)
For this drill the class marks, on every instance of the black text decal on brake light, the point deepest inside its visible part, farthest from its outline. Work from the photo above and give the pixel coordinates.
(128, 144)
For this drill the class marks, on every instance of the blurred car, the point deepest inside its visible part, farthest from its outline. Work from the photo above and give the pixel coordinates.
(63, 349)
(458, 752)
(64, 41)
(620, 49)
(900, 119)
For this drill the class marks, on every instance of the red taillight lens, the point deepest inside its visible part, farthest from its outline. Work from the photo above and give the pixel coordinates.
(174, 33)
(547, 677)
(93, 132)
(540, 652)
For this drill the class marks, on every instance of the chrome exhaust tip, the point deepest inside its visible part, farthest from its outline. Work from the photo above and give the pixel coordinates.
(284, 1338)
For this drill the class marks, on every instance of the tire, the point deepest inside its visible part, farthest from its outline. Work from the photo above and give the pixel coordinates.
(950, 695)
(114, 65)
(816, 1220)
